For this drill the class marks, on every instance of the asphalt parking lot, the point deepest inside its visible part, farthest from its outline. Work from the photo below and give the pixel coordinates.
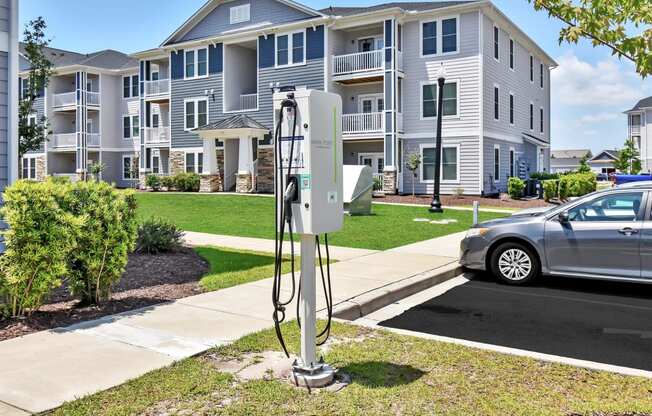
(590, 320)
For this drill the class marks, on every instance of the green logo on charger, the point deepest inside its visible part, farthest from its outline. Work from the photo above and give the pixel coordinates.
(305, 182)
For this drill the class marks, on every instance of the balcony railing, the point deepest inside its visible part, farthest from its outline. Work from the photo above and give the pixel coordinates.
(248, 102)
(65, 99)
(362, 123)
(93, 98)
(399, 60)
(635, 129)
(93, 139)
(357, 62)
(157, 135)
(159, 87)
(64, 140)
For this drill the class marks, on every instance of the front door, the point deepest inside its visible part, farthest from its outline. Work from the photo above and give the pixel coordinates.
(376, 161)
(371, 103)
(603, 237)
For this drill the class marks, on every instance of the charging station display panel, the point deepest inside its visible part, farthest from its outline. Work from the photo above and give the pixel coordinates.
(314, 148)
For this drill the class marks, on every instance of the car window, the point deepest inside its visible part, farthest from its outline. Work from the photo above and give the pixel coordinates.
(609, 208)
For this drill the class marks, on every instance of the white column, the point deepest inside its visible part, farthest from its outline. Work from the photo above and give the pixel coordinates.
(308, 303)
(210, 157)
(246, 156)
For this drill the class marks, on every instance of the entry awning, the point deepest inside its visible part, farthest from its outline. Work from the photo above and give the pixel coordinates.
(535, 140)
(236, 126)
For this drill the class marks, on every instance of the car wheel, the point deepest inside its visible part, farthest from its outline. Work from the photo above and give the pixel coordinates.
(514, 264)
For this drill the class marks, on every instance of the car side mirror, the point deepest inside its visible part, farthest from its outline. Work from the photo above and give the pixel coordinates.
(564, 217)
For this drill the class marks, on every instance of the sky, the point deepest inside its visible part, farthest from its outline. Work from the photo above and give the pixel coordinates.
(590, 88)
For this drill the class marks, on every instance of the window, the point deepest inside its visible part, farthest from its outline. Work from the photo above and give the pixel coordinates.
(129, 86)
(541, 75)
(635, 120)
(129, 170)
(29, 168)
(531, 68)
(531, 116)
(134, 86)
(126, 82)
(130, 127)
(496, 163)
(496, 43)
(194, 162)
(196, 113)
(512, 163)
(239, 14)
(196, 63)
(447, 43)
(496, 102)
(290, 49)
(155, 76)
(399, 93)
(156, 119)
(511, 109)
(622, 207)
(541, 120)
(511, 54)
(449, 163)
(24, 88)
(32, 120)
(135, 126)
(429, 100)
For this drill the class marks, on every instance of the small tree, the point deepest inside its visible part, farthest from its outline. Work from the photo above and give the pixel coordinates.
(584, 165)
(629, 159)
(32, 135)
(96, 169)
(413, 164)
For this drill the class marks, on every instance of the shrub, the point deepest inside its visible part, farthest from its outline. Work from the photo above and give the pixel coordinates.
(167, 182)
(550, 189)
(543, 176)
(515, 187)
(156, 235)
(38, 243)
(577, 184)
(378, 184)
(186, 182)
(107, 237)
(153, 182)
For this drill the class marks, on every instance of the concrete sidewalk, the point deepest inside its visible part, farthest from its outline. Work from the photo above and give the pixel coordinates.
(41, 371)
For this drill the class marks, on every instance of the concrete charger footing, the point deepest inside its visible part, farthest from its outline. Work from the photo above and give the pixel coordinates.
(323, 377)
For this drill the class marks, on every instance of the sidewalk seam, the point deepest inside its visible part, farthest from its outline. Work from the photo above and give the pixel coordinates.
(15, 407)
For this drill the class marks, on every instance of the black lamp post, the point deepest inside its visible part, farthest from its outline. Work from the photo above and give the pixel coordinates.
(435, 205)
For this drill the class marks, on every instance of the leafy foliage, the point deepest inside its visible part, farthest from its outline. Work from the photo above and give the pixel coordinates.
(543, 176)
(186, 182)
(167, 182)
(550, 189)
(584, 165)
(153, 182)
(156, 235)
(576, 184)
(32, 135)
(629, 160)
(39, 240)
(515, 187)
(96, 169)
(413, 164)
(606, 22)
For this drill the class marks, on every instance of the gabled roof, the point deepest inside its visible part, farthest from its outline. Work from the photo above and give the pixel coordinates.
(240, 121)
(644, 103)
(610, 154)
(564, 161)
(570, 154)
(106, 59)
(407, 6)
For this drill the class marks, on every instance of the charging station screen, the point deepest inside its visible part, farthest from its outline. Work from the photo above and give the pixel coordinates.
(298, 159)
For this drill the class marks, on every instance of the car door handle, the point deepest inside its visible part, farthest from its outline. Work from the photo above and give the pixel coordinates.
(628, 231)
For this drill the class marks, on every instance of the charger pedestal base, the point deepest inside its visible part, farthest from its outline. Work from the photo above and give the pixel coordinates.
(315, 378)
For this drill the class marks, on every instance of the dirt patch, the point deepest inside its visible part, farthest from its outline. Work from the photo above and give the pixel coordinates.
(148, 280)
(449, 200)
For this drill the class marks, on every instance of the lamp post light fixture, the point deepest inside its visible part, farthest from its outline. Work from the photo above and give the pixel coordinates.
(435, 205)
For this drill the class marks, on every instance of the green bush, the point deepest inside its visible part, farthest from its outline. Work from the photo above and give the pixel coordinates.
(378, 184)
(156, 235)
(186, 182)
(153, 182)
(543, 176)
(167, 182)
(38, 243)
(106, 239)
(550, 189)
(576, 184)
(515, 187)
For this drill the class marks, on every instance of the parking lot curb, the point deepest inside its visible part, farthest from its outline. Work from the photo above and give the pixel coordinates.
(359, 306)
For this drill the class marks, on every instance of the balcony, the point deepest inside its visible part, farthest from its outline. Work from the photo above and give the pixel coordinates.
(93, 98)
(93, 140)
(157, 88)
(362, 123)
(248, 102)
(64, 141)
(634, 129)
(157, 135)
(65, 99)
(359, 66)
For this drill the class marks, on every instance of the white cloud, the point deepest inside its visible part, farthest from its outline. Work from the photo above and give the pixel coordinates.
(605, 83)
(591, 119)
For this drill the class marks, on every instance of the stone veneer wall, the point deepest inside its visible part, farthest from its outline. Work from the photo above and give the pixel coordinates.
(41, 171)
(243, 183)
(389, 182)
(265, 179)
(177, 162)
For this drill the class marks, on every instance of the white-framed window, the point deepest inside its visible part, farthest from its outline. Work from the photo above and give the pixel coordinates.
(635, 120)
(496, 102)
(29, 167)
(440, 36)
(129, 86)
(496, 163)
(32, 120)
(531, 116)
(450, 163)
(130, 126)
(196, 63)
(399, 95)
(195, 113)
(531, 68)
(512, 162)
(194, 162)
(541, 75)
(129, 169)
(371, 103)
(429, 96)
(24, 88)
(291, 48)
(541, 123)
(496, 43)
(239, 14)
(511, 54)
(511, 108)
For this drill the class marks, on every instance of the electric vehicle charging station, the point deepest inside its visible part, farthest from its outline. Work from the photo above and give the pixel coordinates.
(308, 191)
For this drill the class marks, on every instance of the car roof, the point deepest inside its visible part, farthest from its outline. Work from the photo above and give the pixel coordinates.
(635, 185)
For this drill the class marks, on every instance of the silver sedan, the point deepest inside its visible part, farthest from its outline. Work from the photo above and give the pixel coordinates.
(604, 235)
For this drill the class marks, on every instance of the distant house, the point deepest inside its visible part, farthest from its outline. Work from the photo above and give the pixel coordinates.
(639, 123)
(567, 160)
(603, 162)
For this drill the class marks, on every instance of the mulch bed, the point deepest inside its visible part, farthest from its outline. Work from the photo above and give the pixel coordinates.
(148, 280)
(449, 200)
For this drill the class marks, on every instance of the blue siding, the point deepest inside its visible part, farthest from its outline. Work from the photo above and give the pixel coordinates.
(315, 43)
(215, 59)
(266, 51)
(176, 62)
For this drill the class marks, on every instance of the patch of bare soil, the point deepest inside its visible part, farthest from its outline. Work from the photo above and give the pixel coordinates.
(148, 280)
(450, 200)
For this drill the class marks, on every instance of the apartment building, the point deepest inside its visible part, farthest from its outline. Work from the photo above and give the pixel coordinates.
(8, 92)
(211, 78)
(639, 129)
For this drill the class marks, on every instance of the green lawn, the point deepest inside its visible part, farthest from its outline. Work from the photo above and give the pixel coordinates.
(248, 216)
(391, 374)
